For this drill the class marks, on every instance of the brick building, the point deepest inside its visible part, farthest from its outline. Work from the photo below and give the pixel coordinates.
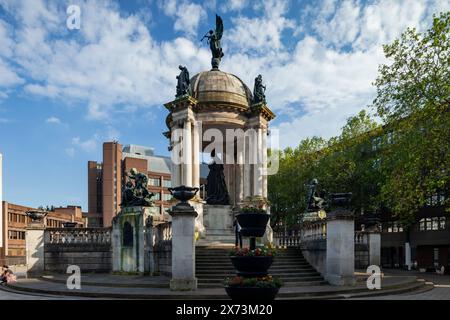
(15, 222)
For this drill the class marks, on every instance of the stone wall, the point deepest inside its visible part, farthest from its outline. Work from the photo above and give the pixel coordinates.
(88, 248)
(315, 252)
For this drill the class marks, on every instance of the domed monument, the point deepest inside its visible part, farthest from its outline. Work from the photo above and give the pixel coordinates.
(215, 112)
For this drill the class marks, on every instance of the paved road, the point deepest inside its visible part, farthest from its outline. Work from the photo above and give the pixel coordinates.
(441, 290)
(8, 295)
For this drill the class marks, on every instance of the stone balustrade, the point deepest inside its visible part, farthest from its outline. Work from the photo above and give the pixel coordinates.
(77, 235)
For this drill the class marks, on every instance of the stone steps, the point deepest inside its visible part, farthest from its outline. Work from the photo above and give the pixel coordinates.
(291, 290)
(213, 265)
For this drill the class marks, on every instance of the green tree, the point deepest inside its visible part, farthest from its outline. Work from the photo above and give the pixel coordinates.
(413, 99)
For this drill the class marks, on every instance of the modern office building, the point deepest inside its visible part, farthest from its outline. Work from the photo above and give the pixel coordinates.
(106, 179)
(15, 222)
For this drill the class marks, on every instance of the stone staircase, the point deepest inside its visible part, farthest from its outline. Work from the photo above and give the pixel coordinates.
(213, 265)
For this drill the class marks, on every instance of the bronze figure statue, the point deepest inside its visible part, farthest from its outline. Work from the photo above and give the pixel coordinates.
(315, 202)
(213, 38)
(136, 194)
(183, 82)
(259, 91)
(216, 188)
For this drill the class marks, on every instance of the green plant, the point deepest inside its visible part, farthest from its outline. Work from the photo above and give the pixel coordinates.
(261, 282)
(250, 209)
(266, 251)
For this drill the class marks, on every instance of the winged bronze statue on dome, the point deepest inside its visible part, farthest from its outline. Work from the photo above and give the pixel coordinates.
(213, 37)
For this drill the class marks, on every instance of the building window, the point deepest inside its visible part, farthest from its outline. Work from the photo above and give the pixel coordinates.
(376, 143)
(154, 182)
(394, 227)
(157, 210)
(156, 196)
(442, 225)
(167, 196)
(167, 183)
(432, 224)
(436, 199)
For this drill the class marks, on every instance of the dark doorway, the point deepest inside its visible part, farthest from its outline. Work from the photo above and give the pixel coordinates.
(127, 240)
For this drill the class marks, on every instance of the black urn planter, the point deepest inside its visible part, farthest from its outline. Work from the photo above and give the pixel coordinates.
(252, 293)
(255, 266)
(253, 224)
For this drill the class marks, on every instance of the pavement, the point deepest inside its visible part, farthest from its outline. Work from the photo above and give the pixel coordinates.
(403, 285)
(108, 286)
(440, 291)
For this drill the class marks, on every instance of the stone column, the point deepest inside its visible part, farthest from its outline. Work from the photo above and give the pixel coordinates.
(187, 154)
(257, 168)
(247, 169)
(176, 166)
(195, 155)
(239, 176)
(264, 162)
(183, 248)
(34, 245)
(340, 260)
(374, 248)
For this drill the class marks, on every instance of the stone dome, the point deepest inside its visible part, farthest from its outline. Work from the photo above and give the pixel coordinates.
(216, 86)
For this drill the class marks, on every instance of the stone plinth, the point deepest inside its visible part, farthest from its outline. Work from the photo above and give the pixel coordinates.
(340, 260)
(128, 240)
(183, 248)
(34, 244)
(218, 221)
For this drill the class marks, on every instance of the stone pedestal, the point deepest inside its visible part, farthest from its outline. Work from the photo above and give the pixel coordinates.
(340, 260)
(218, 221)
(128, 240)
(375, 248)
(183, 248)
(34, 243)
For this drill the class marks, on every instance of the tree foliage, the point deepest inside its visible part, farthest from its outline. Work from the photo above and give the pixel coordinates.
(395, 166)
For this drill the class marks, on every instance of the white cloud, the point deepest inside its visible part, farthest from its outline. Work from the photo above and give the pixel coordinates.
(53, 120)
(113, 62)
(187, 15)
(261, 34)
(234, 5)
(88, 145)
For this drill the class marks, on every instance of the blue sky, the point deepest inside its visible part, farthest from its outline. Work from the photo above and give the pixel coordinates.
(64, 92)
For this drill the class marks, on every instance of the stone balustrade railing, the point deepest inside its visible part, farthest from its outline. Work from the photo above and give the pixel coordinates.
(77, 235)
(285, 238)
(163, 233)
(316, 230)
(361, 237)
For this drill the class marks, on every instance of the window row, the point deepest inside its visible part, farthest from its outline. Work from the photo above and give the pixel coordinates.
(165, 196)
(15, 217)
(156, 182)
(434, 223)
(16, 235)
(435, 200)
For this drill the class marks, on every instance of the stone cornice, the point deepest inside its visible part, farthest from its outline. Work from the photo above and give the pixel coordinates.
(263, 110)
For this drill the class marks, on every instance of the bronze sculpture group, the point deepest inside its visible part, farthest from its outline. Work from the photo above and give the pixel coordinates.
(135, 192)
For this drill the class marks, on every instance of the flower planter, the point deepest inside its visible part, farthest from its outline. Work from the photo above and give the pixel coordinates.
(253, 224)
(251, 293)
(251, 266)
